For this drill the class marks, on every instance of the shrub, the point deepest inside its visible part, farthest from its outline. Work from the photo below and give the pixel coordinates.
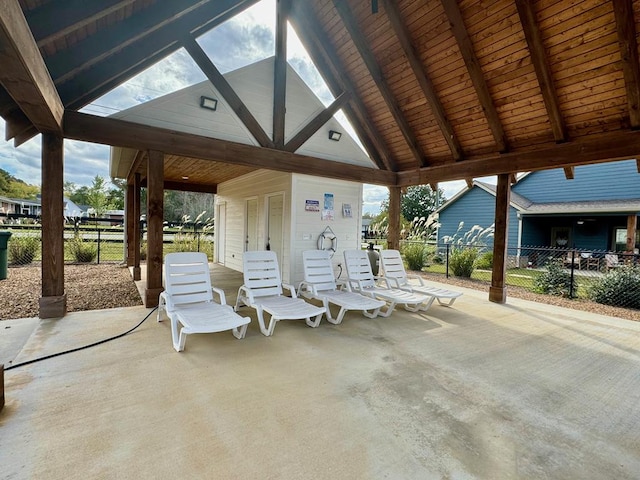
(83, 252)
(143, 250)
(620, 288)
(462, 260)
(414, 254)
(554, 281)
(485, 261)
(22, 250)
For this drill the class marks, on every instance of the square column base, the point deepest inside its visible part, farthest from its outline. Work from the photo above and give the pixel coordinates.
(54, 306)
(152, 296)
(498, 294)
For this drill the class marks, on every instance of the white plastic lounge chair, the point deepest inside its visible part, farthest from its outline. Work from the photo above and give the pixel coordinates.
(612, 261)
(393, 269)
(319, 283)
(188, 300)
(360, 279)
(263, 290)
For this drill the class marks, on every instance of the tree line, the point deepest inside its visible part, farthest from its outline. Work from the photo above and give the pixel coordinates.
(103, 195)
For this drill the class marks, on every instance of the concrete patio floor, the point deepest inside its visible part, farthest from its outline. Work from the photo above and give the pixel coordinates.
(478, 390)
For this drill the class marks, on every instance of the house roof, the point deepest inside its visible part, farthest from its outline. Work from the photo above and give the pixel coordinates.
(525, 206)
(436, 90)
(253, 83)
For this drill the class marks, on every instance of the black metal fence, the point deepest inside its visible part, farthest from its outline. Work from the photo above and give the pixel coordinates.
(92, 241)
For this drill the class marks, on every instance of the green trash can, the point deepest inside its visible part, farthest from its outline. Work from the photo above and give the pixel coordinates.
(4, 240)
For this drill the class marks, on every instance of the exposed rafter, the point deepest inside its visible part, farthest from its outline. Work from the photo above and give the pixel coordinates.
(402, 33)
(280, 73)
(626, 27)
(601, 148)
(317, 45)
(71, 15)
(371, 63)
(23, 74)
(569, 173)
(99, 47)
(227, 92)
(475, 73)
(318, 121)
(111, 131)
(541, 66)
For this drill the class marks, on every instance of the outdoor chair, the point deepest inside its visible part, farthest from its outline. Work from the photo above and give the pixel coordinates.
(393, 269)
(360, 279)
(572, 259)
(188, 300)
(263, 291)
(611, 261)
(319, 283)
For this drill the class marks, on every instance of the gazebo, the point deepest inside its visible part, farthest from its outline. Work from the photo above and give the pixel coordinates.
(436, 90)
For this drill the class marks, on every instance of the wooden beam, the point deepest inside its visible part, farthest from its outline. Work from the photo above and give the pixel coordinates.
(393, 233)
(638, 164)
(513, 178)
(24, 74)
(314, 125)
(111, 131)
(53, 302)
(67, 63)
(227, 92)
(370, 61)
(459, 30)
(129, 221)
(135, 165)
(326, 61)
(70, 16)
(155, 216)
(404, 37)
(127, 62)
(569, 173)
(541, 66)
(16, 123)
(469, 182)
(626, 27)
(190, 187)
(594, 149)
(280, 73)
(498, 289)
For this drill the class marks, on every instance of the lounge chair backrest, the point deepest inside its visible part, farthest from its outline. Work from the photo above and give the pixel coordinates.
(393, 267)
(359, 268)
(187, 278)
(261, 273)
(318, 270)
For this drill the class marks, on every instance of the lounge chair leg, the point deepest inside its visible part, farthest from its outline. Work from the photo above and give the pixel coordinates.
(373, 314)
(239, 333)
(447, 304)
(180, 345)
(266, 331)
(390, 307)
(314, 323)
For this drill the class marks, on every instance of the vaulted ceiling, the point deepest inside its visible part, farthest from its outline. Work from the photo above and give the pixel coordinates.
(436, 89)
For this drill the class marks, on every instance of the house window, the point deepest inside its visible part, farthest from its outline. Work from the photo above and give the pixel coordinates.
(560, 237)
(620, 239)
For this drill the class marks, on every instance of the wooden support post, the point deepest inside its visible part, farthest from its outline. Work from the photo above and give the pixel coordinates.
(130, 220)
(498, 290)
(155, 207)
(53, 302)
(393, 235)
(137, 231)
(632, 226)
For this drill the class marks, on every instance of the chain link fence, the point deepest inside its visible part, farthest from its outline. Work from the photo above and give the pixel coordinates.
(606, 277)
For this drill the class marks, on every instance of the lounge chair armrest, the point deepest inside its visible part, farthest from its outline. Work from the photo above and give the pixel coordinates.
(303, 287)
(415, 277)
(292, 290)
(390, 281)
(247, 293)
(220, 292)
(384, 280)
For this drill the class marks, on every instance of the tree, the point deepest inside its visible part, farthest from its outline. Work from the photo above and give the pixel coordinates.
(97, 196)
(15, 188)
(418, 201)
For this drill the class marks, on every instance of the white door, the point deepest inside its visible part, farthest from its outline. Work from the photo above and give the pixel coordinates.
(275, 225)
(251, 225)
(221, 223)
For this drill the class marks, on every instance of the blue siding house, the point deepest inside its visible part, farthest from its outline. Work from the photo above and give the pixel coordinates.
(547, 210)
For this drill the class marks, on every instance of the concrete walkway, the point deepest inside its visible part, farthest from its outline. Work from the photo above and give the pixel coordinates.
(478, 390)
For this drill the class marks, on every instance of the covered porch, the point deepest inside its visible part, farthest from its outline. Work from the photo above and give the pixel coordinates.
(479, 390)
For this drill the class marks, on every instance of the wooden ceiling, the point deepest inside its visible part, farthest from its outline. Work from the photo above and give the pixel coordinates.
(436, 89)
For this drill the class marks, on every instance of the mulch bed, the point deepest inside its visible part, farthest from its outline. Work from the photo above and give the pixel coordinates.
(88, 287)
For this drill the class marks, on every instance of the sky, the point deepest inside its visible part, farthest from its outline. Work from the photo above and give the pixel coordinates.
(242, 40)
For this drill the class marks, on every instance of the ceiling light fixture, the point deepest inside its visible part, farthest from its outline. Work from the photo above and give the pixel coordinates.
(209, 103)
(335, 136)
